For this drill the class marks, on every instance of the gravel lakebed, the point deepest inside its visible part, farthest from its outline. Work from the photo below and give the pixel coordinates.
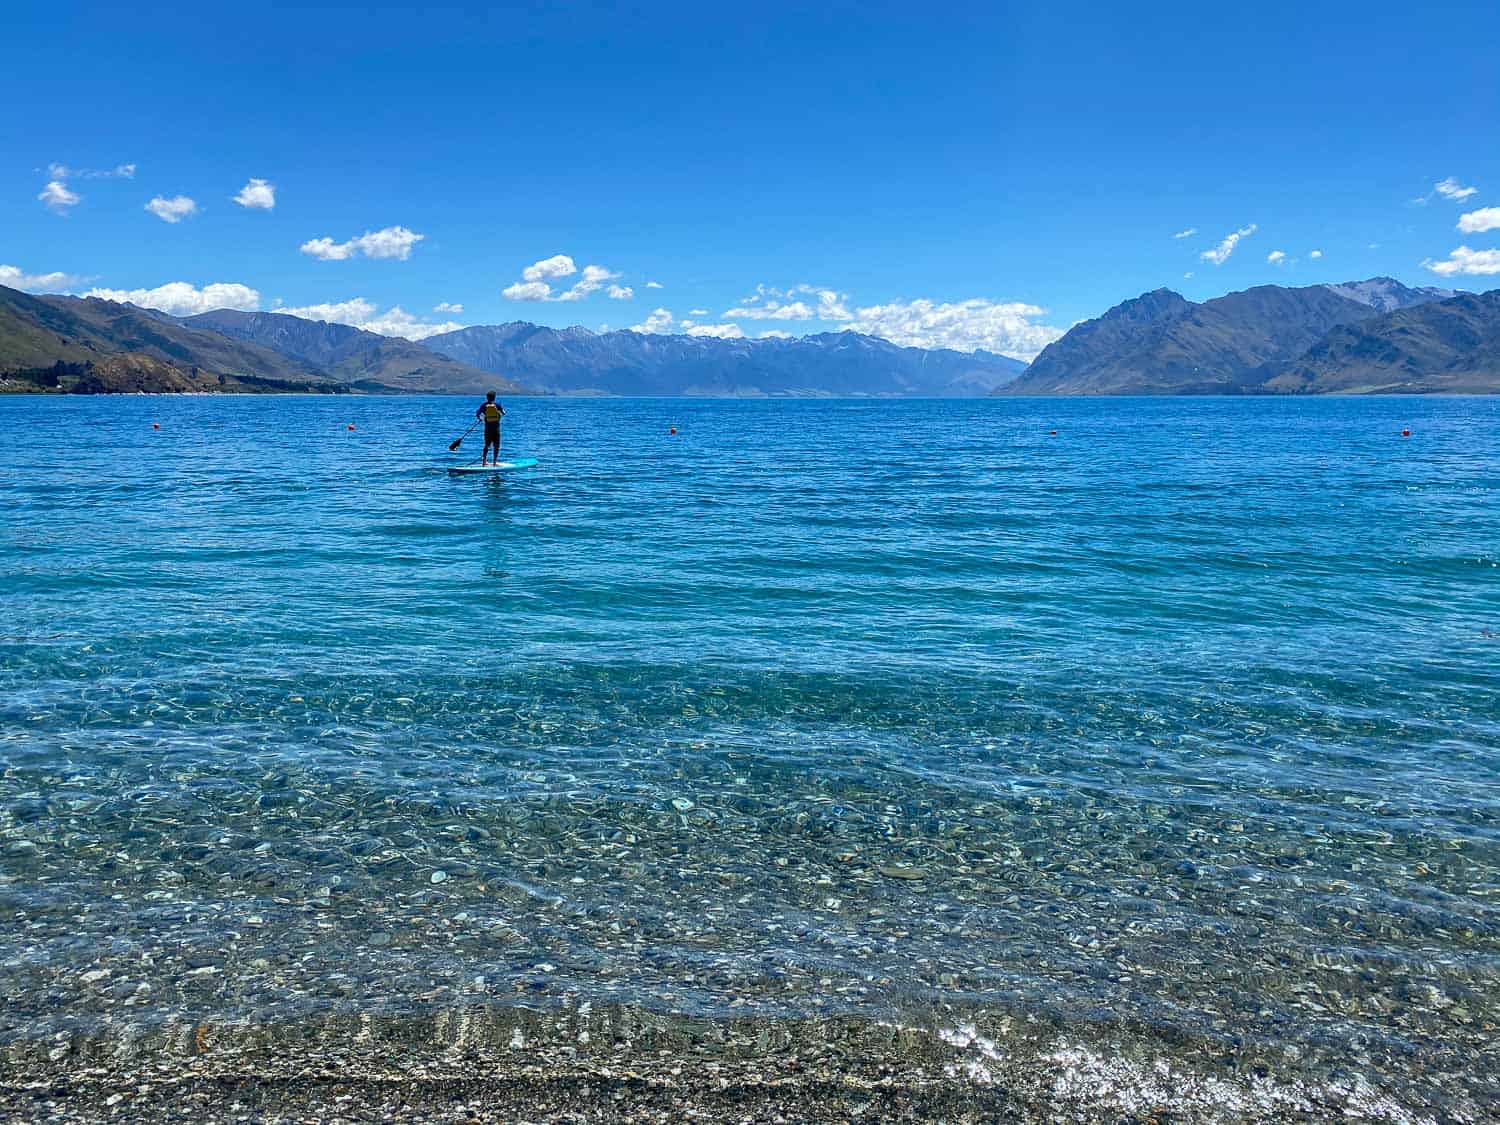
(577, 1062)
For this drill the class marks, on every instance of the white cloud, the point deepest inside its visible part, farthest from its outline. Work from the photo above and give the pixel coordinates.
(357, 309)
(118, 172)
(774, 310)
(258, 195)
(593, 278)
(1477, 222)
(448, 307)
(527, 291)
(1276, 257)
(1220, 253)
(389, 242)
(362, 313)
(660, 321)
(769, 303)
(550, 269)
(830, 303)
(1008, 327)
(1450, 188)
(535, 281)
(653, 285)
(1187, 276)
(16, 278)
(1466, 261)
(57, 196)
(775, 334)
(172, 210)
(182, 299)
(1315, 254)
(1186, 233)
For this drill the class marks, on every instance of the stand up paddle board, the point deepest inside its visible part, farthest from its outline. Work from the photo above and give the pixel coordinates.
(503, 466)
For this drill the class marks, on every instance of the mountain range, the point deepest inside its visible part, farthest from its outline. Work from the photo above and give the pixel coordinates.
(577, 361)
(1251, 342)
(90, 345)
(1358, 337)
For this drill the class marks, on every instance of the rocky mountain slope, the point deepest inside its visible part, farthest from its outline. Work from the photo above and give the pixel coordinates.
(1162, 343)
(37, 333)
(577, 361)
(73, 344)
(1385, 294)
(1450, 346)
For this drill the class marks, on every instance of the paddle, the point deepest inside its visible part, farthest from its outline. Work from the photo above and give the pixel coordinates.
(459, 440)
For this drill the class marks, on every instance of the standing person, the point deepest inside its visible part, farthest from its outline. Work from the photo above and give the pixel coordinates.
(491, 412)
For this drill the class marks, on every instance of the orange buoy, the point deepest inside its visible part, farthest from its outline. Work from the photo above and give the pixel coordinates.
(1406, 433)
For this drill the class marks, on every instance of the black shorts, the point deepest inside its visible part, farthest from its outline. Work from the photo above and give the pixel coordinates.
(492, 433)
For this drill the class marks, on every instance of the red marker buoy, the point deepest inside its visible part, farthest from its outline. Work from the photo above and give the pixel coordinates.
(1406, 433)
(673, 430)
(351, 425)
(156, 425)
(1054, 433)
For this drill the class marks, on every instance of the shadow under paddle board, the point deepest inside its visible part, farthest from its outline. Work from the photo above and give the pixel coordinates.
(503, 466)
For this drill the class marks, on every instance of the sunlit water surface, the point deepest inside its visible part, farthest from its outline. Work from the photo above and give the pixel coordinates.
(1181, 723)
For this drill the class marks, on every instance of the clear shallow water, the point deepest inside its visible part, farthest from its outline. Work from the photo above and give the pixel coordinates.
(1181, 724)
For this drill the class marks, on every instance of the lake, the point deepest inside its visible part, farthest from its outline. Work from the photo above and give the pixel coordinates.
(1161, 728)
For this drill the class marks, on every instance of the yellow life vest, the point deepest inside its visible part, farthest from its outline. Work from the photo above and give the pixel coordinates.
(491, 412)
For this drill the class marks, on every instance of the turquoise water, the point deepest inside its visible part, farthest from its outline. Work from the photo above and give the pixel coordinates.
(1180, 725)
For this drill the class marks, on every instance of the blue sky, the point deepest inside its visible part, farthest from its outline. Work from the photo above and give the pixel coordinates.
(942, 174)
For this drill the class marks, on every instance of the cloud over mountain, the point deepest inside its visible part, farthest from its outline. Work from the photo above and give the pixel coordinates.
(1005, 327)
(360, 312)
(181, 298)
(13, 277)
(1465, 261)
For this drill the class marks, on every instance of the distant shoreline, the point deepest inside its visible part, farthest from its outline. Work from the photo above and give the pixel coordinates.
(8, 390)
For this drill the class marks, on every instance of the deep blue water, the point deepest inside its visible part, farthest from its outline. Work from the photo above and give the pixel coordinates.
(1180, 724)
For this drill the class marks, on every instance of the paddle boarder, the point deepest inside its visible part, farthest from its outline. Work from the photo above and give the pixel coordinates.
(490, 413)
